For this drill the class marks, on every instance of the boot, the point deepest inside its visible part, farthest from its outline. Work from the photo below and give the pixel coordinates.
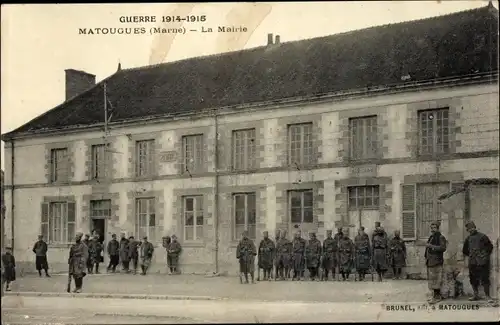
(97, 268)
(475, 296)
(40, 273)
(251, 275)
(241, 278)
(246, 277)
(47, 273)
(487, 294)
(379, 277)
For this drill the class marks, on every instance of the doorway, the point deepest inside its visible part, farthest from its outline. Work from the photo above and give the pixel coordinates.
(98, 225)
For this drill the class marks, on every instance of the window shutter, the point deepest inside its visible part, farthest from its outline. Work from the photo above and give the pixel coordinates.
(152, 158)
(71, 212)
(45, 221)
(409, 216)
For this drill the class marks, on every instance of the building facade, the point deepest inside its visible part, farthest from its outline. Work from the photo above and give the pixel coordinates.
(344, 158)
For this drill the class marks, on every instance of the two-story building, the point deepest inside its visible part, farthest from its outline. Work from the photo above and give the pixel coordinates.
(343, 130)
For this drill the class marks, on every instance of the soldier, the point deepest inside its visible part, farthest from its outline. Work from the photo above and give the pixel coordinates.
(113, 253)
(133, 254)
(86, 241)
(40, 249)
(397, 254)
(124, 253)
(346, 255)
(284, 256)
(298, 256)
(478, 248)
(174, 250)
(380, 251)
(313, 255)
(363, 253)
(78, 256)
(329, 251)
(245, 253)
(434, 260)
(336, 261)
(146, 255)
(267, 251)
(277, 236)
(9, 268)
(95, 250)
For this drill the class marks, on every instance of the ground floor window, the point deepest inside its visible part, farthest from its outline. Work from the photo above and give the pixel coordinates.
(245, 216)
(58, 222)
(193, 217)
(147, 223)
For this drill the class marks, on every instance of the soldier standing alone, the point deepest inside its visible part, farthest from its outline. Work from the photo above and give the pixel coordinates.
(380, 250)
(9, 268)
(267, 251)
(434, 260)
(95, 250)
(147, 250)
(40, 249)
(174, 251)
(245, 253)
(114, 253)
(78, 256)
(313, 256)
(478, 248)
(346, 255)
(284, 256)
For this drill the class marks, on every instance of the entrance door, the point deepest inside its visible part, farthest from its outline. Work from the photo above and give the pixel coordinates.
(363, 218)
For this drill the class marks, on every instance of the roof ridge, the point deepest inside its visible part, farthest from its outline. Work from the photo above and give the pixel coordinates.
(152, 66)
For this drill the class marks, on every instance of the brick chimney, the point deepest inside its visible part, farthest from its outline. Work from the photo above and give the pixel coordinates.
(277, 39)
(77, 82)
(270, 39)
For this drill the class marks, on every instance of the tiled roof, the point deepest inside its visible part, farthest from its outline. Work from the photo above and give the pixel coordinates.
(457, 44)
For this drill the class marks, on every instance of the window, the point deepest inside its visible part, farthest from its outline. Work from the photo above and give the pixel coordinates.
(301, 206)
(193, 217)
(145, 155)
(99, 161)
(58, 222)
(244, 149)
(245, 217)
(433, 132)
(192, 152)
(59, 165)
(100, 208)
(146, 222)
(421, 207)
(364, 197)
(363, 137)
(300, 144)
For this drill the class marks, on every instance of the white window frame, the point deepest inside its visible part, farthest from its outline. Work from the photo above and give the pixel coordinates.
(198, 211)
(99, 161)
(439, 119)
(58, 219)
(423, 226)
(192, 153)
(304, 145)
(368, 191)
(247, 210)
(143, 225)
(59, 165)
(244, 149)
(144, 153)
(302, 205)
(363, 132)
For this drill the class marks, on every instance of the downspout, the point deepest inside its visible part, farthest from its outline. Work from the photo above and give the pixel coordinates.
(216, 192)
(12, 205)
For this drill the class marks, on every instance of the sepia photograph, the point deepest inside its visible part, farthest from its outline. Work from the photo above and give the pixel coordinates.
(253, 162)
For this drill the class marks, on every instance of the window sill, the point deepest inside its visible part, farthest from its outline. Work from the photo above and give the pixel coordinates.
(59, 182)
(144, 178)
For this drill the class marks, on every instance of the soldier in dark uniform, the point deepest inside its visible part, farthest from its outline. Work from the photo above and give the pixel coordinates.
(245, 253)
(380, 250)
(173, 253)
(114, 253)
(478, 248)
(397, 250)
(329, 252)
(346, 255)
(124, 253)
(434, 260)
(298, 256)
(277, 236)
(284, 256)
(40, 249)
(86, 241)
(267, 250)
(9, 268)
(313, 256)
(95, 250)
(133, 254)
(363, 253)
(336, 261)
(147, 250)
(78, 256)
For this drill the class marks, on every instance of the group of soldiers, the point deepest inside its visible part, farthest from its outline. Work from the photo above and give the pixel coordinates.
(290, 258)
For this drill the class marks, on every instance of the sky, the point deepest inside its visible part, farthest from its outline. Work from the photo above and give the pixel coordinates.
(38, 42)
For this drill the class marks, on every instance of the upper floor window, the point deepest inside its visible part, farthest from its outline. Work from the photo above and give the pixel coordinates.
(301, 206)
(433, 128)
(244, 149)
(364, 197)
(98, 161)
(363, 137)
(192, 152)
(145, 158)
(58, 222)
(245, 217)
(59, 165)
(300, 144)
